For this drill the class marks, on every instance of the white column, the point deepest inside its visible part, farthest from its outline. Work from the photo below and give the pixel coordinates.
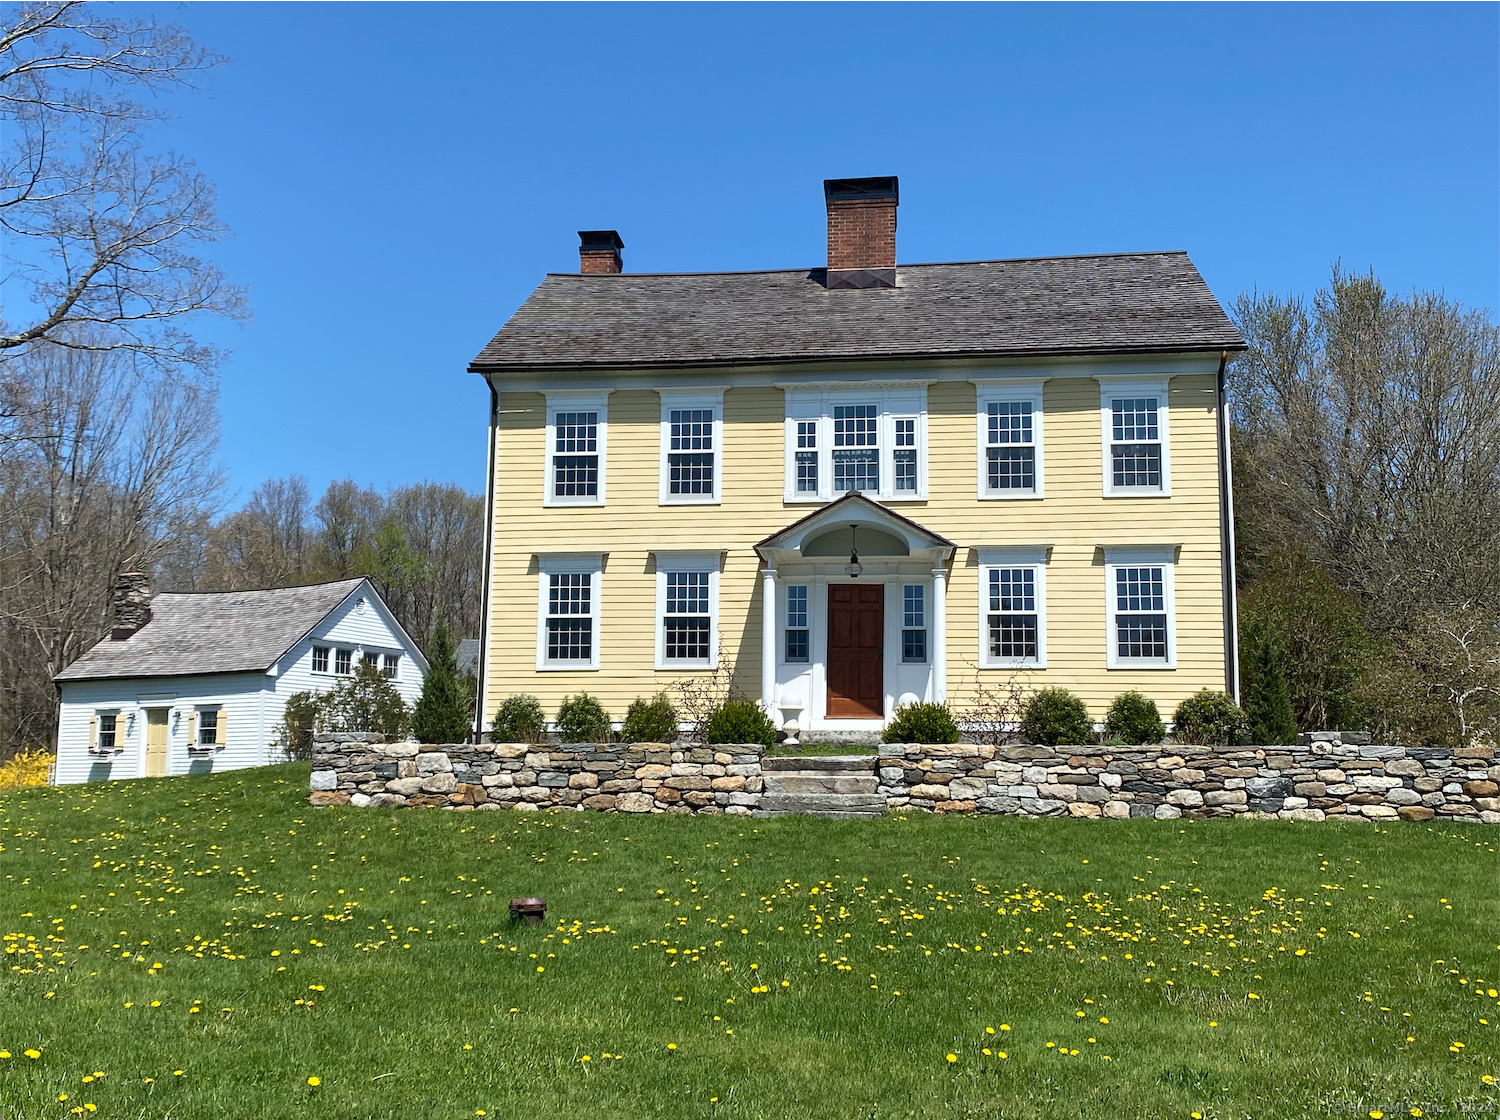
(940, 635)
(768, 643)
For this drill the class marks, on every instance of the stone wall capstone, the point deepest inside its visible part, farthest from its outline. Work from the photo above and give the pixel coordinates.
(1328, 776)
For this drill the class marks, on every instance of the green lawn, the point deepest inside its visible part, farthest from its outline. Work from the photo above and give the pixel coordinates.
(210, 944)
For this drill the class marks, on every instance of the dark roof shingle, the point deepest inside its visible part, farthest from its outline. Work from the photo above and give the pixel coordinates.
(216, 632)
(1124, 303)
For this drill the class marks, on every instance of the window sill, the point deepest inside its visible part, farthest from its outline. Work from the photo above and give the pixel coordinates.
(1020, 497)
(1154, 666)
(670, 666)
(568, 667)
(679, 500)
(564, 503)
(1142, 493)
(810, 500)
(1014, 663)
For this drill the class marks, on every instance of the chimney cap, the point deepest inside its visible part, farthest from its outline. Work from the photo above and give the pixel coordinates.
(875, 187)
(599, 240)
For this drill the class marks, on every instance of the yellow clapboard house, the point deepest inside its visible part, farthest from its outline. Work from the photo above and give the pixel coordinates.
(861, 484)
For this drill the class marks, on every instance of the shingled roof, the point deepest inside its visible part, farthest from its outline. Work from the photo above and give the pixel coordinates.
(1118, 304)
(218, 632)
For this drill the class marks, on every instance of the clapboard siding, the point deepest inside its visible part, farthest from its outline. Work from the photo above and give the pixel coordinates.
(1074, 518)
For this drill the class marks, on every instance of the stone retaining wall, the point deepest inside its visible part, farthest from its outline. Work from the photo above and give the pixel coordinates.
(362, 770)
(1322, 779)
(1325, 778)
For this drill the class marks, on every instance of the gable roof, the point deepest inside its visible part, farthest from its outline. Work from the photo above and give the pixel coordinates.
(1117, 304)
(215, 632)
(868, 511)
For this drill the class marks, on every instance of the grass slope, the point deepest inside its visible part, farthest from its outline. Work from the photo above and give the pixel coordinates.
(203, 947)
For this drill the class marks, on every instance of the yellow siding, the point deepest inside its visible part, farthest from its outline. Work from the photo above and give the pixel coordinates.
(1074, 518)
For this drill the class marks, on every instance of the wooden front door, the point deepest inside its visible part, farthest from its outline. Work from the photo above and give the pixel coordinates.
(856, 645)
(156, 742)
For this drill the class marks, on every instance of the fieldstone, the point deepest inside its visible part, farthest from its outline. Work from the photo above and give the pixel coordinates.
(653, 770)
(583, 781)
(954, 806)
(1310, 789)
(1331, 775)
(1000, 804)
(1427, 785)
(1034, 775)
(635, 803)
(929, 792)
(405, 786)
(552, 779)
(698, 798)
(1067, 779)
(1117, 810)
(527, 807)
(536, 794)
(1401, 796)
(1405, 768)
(891, 774)
(1110, 781)
(1185, 798)
(667, 795)
(1167, 812)
(601, 802)
(502, 780)
(442, 782)
(434, 762)
(1481, 789)
(727, 784)
(324, 780)
(387, 801)
(1084, 809)
(1379, 812)
(328, 797)
(1185, 775)
(1261, 788)
(967, 788)
(1303, 814)
(1487, 804)
(360, 800)
(1452, 787)
(1374, 781)
(1490, 817)
(1225, 797)
(1415, 813)
(1294, 803)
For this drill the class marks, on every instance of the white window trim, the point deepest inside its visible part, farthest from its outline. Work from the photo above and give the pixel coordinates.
(900, 594)
(1023, 389)
(590, 563)
(906, 400)
(1117, 386)
(574, 401)
(327, 670)
(783, 604)
(1035, 557)
(687, 562)
(692, 398)
(1134, 556)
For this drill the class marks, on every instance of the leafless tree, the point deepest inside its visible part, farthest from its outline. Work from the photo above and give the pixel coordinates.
(103, 234)
(106, 456)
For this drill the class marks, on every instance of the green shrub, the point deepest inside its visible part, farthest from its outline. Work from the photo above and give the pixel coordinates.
(1055, 716)
(1133, 719)
(298, 722)
(1211, 718)
(582, 719)
(1268, 698)
(520, 719)
(650, 721)
(366, 701)
(921, 723)
(741, 721)
(442, 713)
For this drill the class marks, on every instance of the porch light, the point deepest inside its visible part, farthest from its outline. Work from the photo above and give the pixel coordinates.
(854, 567)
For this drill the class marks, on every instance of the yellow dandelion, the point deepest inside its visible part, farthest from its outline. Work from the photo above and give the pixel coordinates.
(952, 1058)
(671, 1046)
(32, 1054)
(315, 1081)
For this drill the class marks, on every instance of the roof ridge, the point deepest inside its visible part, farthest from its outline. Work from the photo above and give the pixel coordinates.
(258, 590)
(615, 277)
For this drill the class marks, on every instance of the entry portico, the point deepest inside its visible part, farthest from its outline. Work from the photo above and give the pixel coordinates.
(853, 616)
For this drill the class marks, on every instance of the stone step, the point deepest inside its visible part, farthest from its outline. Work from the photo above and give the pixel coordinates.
(830, 763)
(823, 803)
(805, 781)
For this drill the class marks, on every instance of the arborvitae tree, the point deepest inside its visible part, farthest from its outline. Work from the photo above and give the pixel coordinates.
(1268, 700)
(442, 713)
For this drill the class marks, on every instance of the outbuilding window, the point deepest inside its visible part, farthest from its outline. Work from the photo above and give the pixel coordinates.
(208, 727)
(108, 724)
(343, 662)
(320, 659)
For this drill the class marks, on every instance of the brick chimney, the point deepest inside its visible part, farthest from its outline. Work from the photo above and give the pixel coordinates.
(599, 251)
(131, 601)
(862, 231)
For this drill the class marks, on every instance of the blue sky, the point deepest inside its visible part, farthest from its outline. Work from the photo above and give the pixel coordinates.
(398, 178)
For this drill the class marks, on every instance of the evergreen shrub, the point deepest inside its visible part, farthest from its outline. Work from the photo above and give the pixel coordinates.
(1055, 716)
(1210, 718)
(519, 719)
(650, 721)
(1134, 719)
(921, 723)
(741, 721)
(442, 712)
(582, 719)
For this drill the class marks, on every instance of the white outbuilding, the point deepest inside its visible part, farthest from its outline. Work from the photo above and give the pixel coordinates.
(195, 683)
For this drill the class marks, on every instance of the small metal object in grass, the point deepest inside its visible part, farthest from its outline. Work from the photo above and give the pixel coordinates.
(532, 909)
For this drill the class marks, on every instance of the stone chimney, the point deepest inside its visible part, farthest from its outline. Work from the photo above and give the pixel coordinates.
(599, 251)
(862, 231)
(131, 601)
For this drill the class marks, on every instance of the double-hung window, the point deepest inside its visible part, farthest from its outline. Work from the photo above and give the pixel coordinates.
(208, 727)
(1013, 608)
(914, 623)
(798, 645)
(109, 734)
(1010, 438)
(343, 662)
(576, 428)
(687, 609)
(320, 659)
(1133, 415)
(392, 665)
(871, 440)
(568, 611)
(691, 452)
(1141, 606)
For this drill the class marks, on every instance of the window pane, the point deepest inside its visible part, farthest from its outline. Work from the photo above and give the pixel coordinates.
(392, 664)
(1010, 422)
(576, 432)
(690, 474)
(906, 470)
(1139, 589)
(570, 593)
(1012, 589)
(687, 592)
(906, 433)
(856, 425)
(913, 605)
(856, 470)
(107, 727)
(686, 639)
(208, 728)
(575, 476)
(1134, 419)
(807, 472)
(1142, 635)
(807, 433)
(342, 660)
(914, 645)
(1013, 635)
(1136, 464)
(796, 607)
(692, 429)
(320, 659)
(570, 639)
(796, 645)
(1012, 468)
